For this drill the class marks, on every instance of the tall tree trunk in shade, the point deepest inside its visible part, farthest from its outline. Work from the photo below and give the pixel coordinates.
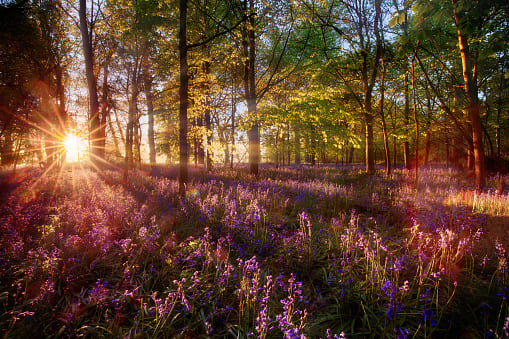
(416, 121)
(208, 122)
(249, 54)
(473, 105)
(380, 42)
(88, 53)
(406, 114)
(184, 98)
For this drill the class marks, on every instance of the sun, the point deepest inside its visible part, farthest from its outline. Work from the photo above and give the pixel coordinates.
(73, 148)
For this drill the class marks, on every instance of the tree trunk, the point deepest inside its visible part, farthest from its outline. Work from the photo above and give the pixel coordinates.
(104, 113)
(394, 151)
(88, 53)
(249, 53)
(446, 150)
(406, 115)
(62, 113)
(129, 135)
(149, 97)
(184, 98)
(208, 122)
(416, 121)
(297, 146)
(382, 115)
(199, 150)
(473, 105)
(368, 122)
(208, 136)
(312, 142)
(234, 111)
(137, 136)
(350, 155)
(114, 137)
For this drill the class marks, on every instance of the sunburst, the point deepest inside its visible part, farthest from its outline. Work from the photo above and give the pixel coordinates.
(74, 147)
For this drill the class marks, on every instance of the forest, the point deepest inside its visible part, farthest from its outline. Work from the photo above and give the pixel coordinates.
(254, 168)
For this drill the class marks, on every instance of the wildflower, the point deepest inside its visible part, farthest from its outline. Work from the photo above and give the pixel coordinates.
(340, 336)
(405, 287)
(263, 320)
(98, 293)
(401, 333)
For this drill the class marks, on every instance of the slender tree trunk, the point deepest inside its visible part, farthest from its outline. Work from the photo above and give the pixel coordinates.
(137, 136)
(473, 105)
(368, 121)
(446, 150)
(276, 151)
(382, 115)
(114, 137)
(226, 151)
(234, 111)
(312, 140)
(249, 52)
(406, 115)
(129, 136)
(208, 122)
(149, 97)
(288, 143)
(297, 146)
(350, 155)
(368, 89)
(94, 122)
(499, 108)
(199, 145)
(104, 113)
(119, 127)
(184, 98)
(394, 151)
(62, 113)
(208, 136)
(416, 121)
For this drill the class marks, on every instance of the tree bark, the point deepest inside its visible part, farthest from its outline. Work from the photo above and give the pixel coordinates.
(473, 105)
(184, 98)
(149, 96)
(416, 121)
(297, 147)
(88, 53)
(234, 111)
(249, 53)
(406, 114)
(105, 107)
(208, 122)
(382, 113)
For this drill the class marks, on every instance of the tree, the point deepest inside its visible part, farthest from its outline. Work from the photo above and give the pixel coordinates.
(475, 25)
(473, 107)
(94, 119)
(360, 62)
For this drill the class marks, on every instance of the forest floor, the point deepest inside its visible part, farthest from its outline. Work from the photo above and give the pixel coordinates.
(326, 252)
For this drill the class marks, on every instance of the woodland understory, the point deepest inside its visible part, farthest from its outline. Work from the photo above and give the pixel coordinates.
(297, 252)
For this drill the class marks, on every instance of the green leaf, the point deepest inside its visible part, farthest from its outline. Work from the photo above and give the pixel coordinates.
(397, 18)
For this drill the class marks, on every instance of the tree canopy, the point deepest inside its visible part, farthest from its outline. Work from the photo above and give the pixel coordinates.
(376, 82)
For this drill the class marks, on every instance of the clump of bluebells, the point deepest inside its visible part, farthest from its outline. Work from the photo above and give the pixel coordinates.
(299, 252)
